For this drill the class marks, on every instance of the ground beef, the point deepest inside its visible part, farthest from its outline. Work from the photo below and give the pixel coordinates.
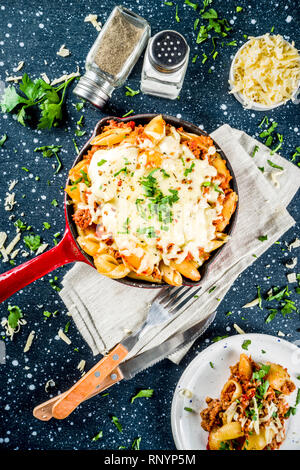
(82, 218)
(210, 416)
(288, 387)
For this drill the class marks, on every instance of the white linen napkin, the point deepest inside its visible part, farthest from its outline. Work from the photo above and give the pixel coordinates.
(105, 311)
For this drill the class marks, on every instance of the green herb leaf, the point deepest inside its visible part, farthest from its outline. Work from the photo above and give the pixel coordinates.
(246, 344)
(143, 394)
(15, 313)
(136, 443)
(117, 423)
(131, 92)
(98, 436)
(32, 241)
(3, 139)
(273, 165)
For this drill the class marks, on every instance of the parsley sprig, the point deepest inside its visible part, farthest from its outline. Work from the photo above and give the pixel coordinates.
(32, 94)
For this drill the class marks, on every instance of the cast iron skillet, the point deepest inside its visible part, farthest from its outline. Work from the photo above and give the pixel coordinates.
(68, 250)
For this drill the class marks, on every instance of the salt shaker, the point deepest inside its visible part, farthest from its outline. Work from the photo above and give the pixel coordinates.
(165, 64)
(113, 55)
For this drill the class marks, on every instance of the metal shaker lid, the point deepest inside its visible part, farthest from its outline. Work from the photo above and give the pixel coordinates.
(168, 50)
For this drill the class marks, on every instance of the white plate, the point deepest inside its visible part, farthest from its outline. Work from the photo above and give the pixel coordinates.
(202, 380)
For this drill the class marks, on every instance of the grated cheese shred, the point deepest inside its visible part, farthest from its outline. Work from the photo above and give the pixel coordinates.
(266, 71)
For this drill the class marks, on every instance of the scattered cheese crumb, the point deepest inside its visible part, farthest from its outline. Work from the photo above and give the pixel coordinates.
(49, 383)
(14, 253)
(63, 51)
(41, 248)
(65, 77)
(29, 341)
(186, 393)
(292, 264)
(9, 201)
(291, 277)
(12, 184)
(94, 20)
(9, 331)
(14, 79)
(251, 304)
(45, 78)
(294, 244)
(19, 66)
(13, 243)
(274, 175)
(238, 329)
(280, 333)
(81, 366)
(63, 336)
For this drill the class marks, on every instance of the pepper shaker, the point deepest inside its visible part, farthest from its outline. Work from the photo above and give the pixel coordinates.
(165, 65)
(113, 55)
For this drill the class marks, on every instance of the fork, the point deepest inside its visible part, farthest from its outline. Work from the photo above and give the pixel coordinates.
(168, 302)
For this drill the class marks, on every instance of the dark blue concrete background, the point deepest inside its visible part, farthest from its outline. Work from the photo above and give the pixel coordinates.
(34, 31)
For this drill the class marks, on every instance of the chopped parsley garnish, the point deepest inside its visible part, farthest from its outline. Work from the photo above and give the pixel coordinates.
(239, 9)
(49, 151)
(212, 289)
(98, 436)
(219, 338)
(191, 4)
(263, 238)
(272, 315)
(176, 15)
(164, 173)
(53, 284)
(255, 150)
(46, 225)
(54, 203)
(189, 170)
(32, 94)
(190, 410)
(79, 133)
(101, 162)
(85, 178)
(15, 313)
(246, 344)
(3, 139)
(148, 231)
(32, 241)
(117, 423)
(121, 171)
(261, 373)
(143, 394)
(268, 131)
(224, 446)
(279, 294)
(20, 225)
(273, 165)
(67, 326)
(136, 443)
(131, 92)
(79, 106)
(125, 227)
(129, 112)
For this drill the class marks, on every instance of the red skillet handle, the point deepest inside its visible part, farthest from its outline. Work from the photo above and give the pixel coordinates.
(65, 252)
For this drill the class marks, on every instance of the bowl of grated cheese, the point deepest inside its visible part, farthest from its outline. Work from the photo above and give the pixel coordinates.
(265, 73)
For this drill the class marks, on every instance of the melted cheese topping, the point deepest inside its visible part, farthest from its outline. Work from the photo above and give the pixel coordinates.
(166, 212)
(266, 71)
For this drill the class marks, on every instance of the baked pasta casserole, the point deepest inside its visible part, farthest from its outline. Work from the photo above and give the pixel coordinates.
(151, 201)
(252, 410)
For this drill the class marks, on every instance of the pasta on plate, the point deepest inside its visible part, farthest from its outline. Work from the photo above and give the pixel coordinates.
(151, 202)
(251, 411)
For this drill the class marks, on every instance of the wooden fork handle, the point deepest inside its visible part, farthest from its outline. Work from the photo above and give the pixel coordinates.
(43, 412)
(89, 383)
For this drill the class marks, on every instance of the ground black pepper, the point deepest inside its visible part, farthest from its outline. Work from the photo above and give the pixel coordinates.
(117, 43)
